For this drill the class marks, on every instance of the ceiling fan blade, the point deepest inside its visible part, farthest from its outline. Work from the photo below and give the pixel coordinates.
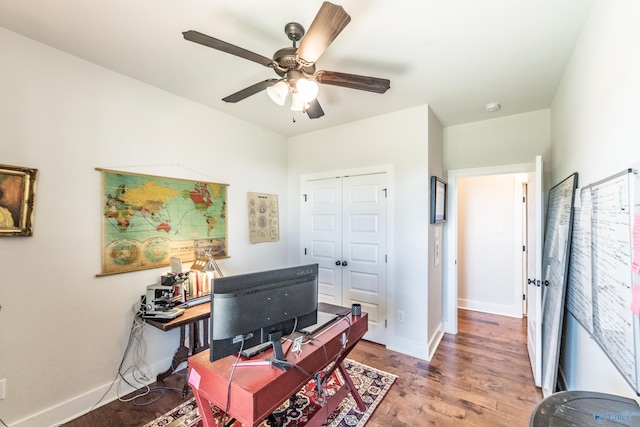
(251, 90)
(353, 81)
(205, 40)
(328, 23)
(314, 110)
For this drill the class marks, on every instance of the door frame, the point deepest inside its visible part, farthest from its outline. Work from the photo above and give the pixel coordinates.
(450, 273)
(369, 170)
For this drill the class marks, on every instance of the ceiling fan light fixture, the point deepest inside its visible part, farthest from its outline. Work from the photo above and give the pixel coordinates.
(296, 65)
(307, 89)
(278, 92)
(297, 103)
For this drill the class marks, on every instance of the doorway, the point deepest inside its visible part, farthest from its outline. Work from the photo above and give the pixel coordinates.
(451, 271)
(490, 258)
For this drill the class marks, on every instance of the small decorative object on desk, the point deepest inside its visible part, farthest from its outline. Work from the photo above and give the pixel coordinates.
(356, 309)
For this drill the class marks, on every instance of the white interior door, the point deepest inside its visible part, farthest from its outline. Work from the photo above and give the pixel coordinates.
(364, 251)
(322, 236)
(345, 233)
(534, 274)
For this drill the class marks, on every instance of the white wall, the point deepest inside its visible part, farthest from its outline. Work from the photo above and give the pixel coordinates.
(435, 237)
(489, 242)
(506, 140)
(399, 139)
(497, 146)
(62, 329)
(595, 132)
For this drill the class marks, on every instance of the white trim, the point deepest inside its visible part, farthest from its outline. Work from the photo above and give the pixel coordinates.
(519, 229)
(486, 307)
(450, 303)
(414, 349)
(82, 404)
(346, 172)
(410, 348)
(435, 341)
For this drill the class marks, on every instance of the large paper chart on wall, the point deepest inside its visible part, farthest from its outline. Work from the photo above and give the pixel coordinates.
(555, 263)
(580, 284)
(149, 219)
(611, 231)
(599, 293)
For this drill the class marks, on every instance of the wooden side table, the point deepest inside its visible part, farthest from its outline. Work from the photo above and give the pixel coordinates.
(191, 318)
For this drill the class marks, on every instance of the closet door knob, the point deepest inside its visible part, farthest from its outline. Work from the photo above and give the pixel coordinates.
(338, 262)
(344, 263)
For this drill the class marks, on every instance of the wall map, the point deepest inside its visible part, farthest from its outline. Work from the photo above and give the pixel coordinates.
(149, 219)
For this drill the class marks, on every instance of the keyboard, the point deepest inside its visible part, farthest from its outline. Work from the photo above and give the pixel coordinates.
(256, 349)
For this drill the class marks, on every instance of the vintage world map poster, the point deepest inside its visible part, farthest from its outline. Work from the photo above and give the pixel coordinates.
(149, 219)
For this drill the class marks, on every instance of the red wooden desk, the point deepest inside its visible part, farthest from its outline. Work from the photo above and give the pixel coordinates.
(257, 391)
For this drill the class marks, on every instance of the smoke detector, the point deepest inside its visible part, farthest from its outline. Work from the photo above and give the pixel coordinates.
(491, 107)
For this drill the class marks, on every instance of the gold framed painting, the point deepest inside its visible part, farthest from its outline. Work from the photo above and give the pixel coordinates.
(17, 198)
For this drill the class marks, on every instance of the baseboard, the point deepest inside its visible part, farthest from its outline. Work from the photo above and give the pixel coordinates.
(503, 310)
(412, 348)
(83, 403)
(435, 341)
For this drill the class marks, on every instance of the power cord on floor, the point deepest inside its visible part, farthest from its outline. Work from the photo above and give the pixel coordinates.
(136, 341)
(3, 423)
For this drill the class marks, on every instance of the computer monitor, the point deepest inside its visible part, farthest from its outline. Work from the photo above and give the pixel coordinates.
(252, 306)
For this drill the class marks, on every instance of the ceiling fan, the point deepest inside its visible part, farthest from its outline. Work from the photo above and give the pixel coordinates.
(296, 66)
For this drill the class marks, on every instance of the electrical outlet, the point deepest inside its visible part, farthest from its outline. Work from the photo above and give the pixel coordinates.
(3, 387)
(400, 316)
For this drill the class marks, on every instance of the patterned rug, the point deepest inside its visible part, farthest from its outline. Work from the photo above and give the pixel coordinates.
(371, 383)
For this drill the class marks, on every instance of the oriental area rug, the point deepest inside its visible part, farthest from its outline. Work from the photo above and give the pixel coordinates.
(372, 384)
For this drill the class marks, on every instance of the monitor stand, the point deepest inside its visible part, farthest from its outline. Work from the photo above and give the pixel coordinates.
(278, 360)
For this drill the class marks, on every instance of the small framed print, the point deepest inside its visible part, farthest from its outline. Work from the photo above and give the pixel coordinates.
(438, 200)
(17, 198)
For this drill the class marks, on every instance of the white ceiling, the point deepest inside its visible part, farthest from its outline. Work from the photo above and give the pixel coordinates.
(455, 55)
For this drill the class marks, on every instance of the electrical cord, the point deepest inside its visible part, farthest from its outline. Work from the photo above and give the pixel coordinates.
(233, 369)
(3, 423)
(138, 353)
(322, 379)
(135, 337)
(318, 375)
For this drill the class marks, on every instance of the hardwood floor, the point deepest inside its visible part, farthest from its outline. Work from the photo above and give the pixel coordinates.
(478, 377)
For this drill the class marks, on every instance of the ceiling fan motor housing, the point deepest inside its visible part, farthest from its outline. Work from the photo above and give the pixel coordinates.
(286, 60)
